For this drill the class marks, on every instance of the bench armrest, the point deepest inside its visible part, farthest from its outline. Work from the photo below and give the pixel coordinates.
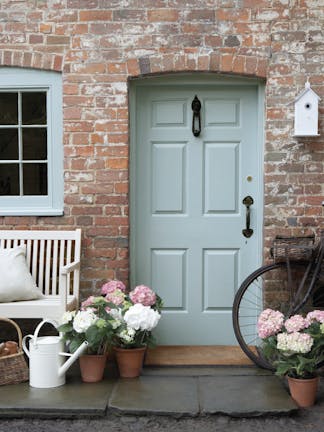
(65, 278)
(68, 268)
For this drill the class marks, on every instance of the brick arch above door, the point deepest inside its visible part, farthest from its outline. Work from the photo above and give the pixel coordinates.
(221, 62)
(28, 59)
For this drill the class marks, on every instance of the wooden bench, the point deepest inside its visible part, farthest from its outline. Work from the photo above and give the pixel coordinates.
(53, 258)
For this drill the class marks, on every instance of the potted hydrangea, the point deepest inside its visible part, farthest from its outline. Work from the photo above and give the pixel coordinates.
(295, 347)
(92, 323)
(135, 315)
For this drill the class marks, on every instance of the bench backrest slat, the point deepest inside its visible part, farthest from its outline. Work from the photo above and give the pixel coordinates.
(48, 267)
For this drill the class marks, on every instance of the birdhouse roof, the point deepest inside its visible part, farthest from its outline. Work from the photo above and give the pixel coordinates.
(305, 91)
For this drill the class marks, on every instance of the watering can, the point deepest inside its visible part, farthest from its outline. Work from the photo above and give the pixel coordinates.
(46, 358)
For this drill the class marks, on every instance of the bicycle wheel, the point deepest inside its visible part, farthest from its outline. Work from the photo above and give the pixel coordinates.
(267, 287)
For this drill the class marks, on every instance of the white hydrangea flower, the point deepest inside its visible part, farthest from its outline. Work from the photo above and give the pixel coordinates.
(83, 320)
(67, 317)
(116, 313)
(127, 335)
(131, 331)
(141, 317)
(115, 323)
(295, 342)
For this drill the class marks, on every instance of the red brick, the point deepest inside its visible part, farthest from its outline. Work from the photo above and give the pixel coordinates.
(133, 67)
(215, 62)
(57, 40)
(36, 39)
(116, 68)
(45, 28)
(251, 65)
(95, 15)
(262, 68)
(117, 163)
(121, 188)
(158, 15)
(203, 63)
(91, 68)
(226, 63)
(239, 65)
(232, 14)
(72, 113)
(27, 59)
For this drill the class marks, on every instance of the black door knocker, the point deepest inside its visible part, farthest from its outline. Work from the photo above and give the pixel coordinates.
(196, 121)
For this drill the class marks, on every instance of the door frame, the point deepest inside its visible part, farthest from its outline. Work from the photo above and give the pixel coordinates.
(200, 79)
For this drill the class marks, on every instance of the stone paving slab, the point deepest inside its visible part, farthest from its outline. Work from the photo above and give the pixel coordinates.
(74, 399)
(244, 396)
(175, 396)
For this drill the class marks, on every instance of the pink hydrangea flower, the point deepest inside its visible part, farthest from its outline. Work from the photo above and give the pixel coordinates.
(269, 323)
(296, 323)
(143, 294)
(111, 286)
(86, 303)
(316, 315)
(116, 297)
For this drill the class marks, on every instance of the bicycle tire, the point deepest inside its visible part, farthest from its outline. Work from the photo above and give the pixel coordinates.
(266, 287)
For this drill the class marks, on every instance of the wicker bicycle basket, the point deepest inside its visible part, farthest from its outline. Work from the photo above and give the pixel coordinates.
(293, 248)
(13, 368)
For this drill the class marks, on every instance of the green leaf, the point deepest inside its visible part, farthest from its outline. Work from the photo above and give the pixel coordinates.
(64, 328)
(74, 345)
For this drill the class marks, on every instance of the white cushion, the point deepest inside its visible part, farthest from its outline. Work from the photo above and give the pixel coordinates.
(16, 282)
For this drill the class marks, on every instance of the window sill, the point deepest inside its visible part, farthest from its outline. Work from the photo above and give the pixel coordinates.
(32, 212)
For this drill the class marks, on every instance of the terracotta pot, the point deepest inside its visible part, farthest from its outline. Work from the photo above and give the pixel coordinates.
(303, 391)
(129, 361)
(92, 367)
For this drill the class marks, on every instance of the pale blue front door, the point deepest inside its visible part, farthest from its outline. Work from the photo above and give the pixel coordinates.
(187, 211)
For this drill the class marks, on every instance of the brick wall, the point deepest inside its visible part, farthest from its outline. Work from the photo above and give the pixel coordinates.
(99, 44)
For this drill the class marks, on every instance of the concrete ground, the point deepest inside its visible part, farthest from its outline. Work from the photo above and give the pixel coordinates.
(164, 399)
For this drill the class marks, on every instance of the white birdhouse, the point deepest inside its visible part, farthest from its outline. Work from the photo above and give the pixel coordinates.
(306, 113)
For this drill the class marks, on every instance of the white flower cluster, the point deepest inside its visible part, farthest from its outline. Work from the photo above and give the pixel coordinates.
(127, 334)
(295, 342)
(83, 320)
(67, 317)
(140, 317)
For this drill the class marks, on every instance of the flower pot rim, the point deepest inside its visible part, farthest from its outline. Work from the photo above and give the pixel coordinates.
(94, 355)
(129, 349)
(303, 379)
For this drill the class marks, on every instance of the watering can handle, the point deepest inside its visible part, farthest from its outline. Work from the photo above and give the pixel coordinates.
(24, 344)
(49, 321)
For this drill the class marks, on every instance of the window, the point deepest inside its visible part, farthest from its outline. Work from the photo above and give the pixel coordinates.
(31, 150)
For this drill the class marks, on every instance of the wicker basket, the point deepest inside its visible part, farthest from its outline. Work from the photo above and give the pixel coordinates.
(13, 368)
(293, 248)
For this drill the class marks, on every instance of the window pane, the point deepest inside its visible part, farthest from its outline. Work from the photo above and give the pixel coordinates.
(34, 143)
(9, 144)
(35, 179)
(8, 108)
(34, 108)
(9, 179)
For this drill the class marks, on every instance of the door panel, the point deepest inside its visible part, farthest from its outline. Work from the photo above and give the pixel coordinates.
(168, 191)
(187, 211)
(220, 174)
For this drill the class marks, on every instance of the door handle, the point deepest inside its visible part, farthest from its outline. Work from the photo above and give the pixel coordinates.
(247, 201)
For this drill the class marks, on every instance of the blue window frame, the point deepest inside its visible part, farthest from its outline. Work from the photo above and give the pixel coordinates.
(31, 144)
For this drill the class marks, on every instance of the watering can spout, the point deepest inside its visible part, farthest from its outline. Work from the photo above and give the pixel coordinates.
(72, 358)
